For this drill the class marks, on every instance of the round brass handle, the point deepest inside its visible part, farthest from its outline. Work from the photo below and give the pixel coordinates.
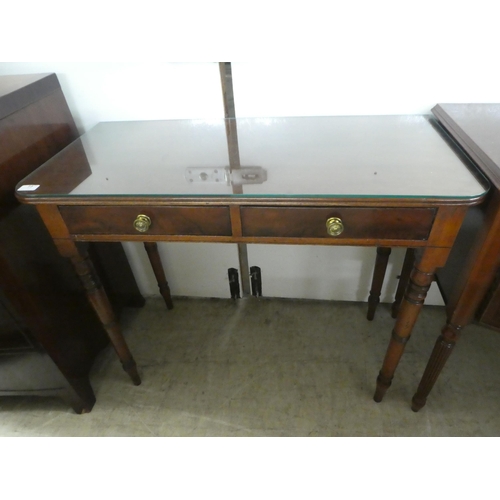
(142, 223)
(334, 226)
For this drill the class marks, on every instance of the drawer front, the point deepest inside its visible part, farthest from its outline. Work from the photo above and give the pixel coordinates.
(358, 223)
(196, 221)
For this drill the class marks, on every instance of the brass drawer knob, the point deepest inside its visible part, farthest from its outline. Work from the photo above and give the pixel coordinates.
(142, 223)
(334, 226)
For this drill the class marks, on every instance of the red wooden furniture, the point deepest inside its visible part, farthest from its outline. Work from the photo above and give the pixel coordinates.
(470, 282)
(368, 181)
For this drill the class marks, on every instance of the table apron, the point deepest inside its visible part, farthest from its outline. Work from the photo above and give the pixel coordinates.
(360, 226)
(253, 240)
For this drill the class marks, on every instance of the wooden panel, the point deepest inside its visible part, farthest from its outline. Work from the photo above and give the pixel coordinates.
(207, 221)
(448, 276)
(475, 128)
(13, 336)
(20, 91)
(489, 312)
(390, 223)
(30, 137)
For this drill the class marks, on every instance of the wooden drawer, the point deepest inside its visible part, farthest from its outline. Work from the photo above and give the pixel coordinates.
(204, 221)
(362, 223)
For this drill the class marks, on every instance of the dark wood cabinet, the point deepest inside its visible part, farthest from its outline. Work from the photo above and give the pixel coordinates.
(49, 335)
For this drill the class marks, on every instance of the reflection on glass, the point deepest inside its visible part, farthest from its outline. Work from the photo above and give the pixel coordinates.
(227, 176)
(370, 156)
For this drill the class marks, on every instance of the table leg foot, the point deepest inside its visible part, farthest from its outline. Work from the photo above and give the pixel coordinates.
(128, 363)
(101, 305)
(440, 354)
(414, 297)
(382, 386)
(417, 403)
(131, 368)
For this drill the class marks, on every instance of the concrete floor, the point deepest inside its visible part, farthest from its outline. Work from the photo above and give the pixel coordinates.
(272, 367)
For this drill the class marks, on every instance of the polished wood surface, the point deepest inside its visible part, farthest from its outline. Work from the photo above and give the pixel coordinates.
(209, 221)
(362, 223)
(428, 222)
(35, 132)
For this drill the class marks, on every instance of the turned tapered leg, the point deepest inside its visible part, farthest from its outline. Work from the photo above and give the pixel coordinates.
(378, 280)
(154, 258)
(404, 278)
(100, 302)
(470, 289)
(442, 351)
(413, 301)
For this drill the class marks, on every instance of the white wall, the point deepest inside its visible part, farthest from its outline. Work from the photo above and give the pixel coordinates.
(371, 82)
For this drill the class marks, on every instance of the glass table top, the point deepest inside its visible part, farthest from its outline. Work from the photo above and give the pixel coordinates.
(352, 156)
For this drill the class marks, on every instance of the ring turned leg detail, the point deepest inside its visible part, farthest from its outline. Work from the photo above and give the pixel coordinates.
(440, 354)
(100, 302)
(410, 308)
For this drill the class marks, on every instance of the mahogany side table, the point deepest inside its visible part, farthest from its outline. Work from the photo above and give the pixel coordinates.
(383, 181)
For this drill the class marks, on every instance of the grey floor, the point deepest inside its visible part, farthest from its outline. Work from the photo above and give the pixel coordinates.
(272, 367)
